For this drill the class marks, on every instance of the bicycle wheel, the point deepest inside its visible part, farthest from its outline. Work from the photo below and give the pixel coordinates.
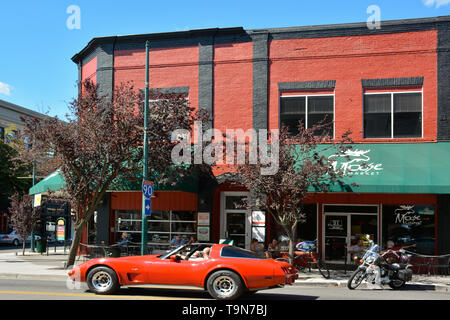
(323, 269)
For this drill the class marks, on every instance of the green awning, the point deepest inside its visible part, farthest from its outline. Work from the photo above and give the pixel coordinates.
(396, 168)
(56, 182)
(53, 182)
(188, 183)
(390, 168)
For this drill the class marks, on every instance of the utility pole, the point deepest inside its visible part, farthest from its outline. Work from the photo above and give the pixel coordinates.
(144, 228)
(32, 229)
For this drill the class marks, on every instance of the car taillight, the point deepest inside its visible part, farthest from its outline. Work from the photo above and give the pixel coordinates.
(287, 269)
(5, 237)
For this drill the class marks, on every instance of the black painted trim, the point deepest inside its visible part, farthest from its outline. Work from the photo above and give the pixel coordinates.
(392, 82)
(307, 85)
(226, 35)
(443, 82)
(260, 80)
(443, 218)
(170, 90)
(105, 69)
(206, 76)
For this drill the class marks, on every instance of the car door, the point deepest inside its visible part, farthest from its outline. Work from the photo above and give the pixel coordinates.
(181, 272)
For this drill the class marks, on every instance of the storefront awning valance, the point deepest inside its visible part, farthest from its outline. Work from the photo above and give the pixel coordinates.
(396, 168)
(53, 182)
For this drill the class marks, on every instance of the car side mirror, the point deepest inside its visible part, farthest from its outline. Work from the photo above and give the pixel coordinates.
(175, 258)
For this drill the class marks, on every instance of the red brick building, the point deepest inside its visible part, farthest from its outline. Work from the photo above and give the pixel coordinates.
(389, 86)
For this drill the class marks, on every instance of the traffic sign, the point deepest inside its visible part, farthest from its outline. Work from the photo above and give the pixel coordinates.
(148, 207)
(147, 189)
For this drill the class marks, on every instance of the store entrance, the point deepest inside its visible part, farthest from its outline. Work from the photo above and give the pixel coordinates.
(235, 219)
(343, 226)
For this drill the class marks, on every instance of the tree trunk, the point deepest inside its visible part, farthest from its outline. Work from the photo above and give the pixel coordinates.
(75, 243)
(23, 247)
(292, 238)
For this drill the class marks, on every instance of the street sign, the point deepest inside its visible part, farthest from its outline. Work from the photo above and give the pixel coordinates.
(147, 189)
(61, 230)
(148, 207)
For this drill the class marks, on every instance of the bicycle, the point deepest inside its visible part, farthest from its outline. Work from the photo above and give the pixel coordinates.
(307, 257)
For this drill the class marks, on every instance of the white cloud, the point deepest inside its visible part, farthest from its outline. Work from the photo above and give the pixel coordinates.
(437, 3)
(5, 89)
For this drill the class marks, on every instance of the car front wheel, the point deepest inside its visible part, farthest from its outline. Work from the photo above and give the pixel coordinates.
(102, 280)
(225, 285)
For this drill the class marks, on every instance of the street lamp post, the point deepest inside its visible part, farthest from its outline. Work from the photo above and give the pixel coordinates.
(32, 229)
(145, 168)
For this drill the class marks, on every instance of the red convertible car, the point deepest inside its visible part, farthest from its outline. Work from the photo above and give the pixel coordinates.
(225, 271)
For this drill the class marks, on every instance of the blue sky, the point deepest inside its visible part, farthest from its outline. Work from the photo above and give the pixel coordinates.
(36, 46)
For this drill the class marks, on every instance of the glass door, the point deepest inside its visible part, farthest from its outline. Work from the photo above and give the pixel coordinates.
(364, 228)
(236, 228)
(235, 224)
(336, 233)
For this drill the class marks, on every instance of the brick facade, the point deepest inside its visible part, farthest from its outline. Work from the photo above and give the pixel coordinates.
(239, 75)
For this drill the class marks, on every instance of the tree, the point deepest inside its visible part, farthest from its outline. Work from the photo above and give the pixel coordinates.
(12, 174)
(23, 216)
(101, 141)
(304, 166)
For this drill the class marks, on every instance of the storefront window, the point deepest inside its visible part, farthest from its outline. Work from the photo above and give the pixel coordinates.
(410, 225)
(306, 227)
(163, 226)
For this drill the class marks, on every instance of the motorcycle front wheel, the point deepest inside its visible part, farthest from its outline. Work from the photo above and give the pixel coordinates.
(356, 278)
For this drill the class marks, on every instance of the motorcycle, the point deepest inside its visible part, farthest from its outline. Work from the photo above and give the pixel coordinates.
(376, 266)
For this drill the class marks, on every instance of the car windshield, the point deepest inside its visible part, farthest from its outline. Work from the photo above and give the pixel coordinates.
(236, 252)
(186, 250)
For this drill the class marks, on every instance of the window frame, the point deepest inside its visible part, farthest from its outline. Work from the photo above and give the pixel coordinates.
(306, 96)
(170, 220)
(392, 93)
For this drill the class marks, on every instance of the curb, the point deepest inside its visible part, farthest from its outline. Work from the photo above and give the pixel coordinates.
(45, 277)
(343, 284)
(308, 282)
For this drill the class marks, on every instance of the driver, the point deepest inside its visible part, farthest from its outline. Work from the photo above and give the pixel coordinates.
(201, 255)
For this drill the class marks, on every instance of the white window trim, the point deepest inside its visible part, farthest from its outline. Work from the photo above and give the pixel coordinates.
(392, 113)
(306, 96)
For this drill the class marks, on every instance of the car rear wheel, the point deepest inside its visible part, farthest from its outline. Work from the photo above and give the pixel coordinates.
(15, 242)
(225, 285)
(102, 280)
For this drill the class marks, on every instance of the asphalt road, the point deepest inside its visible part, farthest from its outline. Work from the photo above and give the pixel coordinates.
(14, 289)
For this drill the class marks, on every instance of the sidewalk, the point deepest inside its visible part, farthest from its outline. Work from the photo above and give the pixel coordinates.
(51, 267)
(34, 265)
(339, 278)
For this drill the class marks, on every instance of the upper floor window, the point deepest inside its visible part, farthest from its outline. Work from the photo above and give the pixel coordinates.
(393, 115)
(2, 134)
(310, 109)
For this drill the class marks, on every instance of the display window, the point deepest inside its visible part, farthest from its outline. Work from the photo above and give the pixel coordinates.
(411, 227)
(306, 227)
(163, 226)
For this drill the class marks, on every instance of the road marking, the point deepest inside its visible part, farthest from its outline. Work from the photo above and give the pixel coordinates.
(91, 295)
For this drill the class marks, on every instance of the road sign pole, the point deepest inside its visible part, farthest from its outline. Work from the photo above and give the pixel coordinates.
(32, 246)
(145, 168)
